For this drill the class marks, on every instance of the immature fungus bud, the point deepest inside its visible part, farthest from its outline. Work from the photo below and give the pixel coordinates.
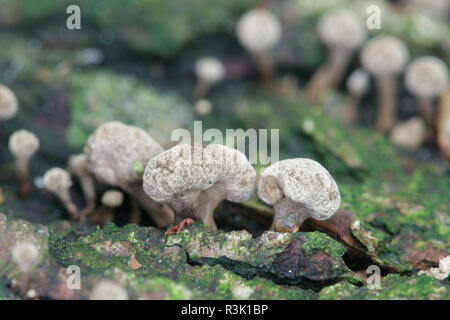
(108, 290)
(409, 134)
(203, 107)
(26, 256)
(23, 145)
(8, 103)
(298, 189)
(426, 78)
(111, 199)
(259, 31)
(113, 151)
(357, 86)
(385, 57)
(78, 166)
(193, 180)
(209, 71)
(58, 182)
(342, 32)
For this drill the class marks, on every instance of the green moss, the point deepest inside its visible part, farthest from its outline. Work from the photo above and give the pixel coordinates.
(318, 241)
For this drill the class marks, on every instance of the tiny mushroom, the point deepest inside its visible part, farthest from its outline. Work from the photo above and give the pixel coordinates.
(113, 152)
(108, 290)
(385, 57)
(342, 32)
(209, 71)
(58, 182)
(26, 256)
(111, 199)
(77, 165)
(409, 134)
(426, 78)
(357, 86)
(193, 180)
(298, 189)
(8, 103)
(259, 31)
(23, 145)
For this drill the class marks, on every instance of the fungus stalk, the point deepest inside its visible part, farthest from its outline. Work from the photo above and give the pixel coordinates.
(343, 33)
(443, 125)
(387, 114)
(209, 71)
(23, 145)
(357, 86)
(58, 182)
(111, 199)
(77, 165)
(298, 189)
(194, 187)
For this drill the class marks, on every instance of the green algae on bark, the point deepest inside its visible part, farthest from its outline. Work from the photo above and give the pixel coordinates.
(392, 286)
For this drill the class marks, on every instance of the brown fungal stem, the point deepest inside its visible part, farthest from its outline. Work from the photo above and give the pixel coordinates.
(23, 174)
(427, 111)
(387, 114)
(289, 216)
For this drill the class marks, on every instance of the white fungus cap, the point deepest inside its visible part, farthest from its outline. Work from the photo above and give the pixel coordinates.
(203, 107)
(78, 163)
(409, 134)
(114, 149)
(108, 290)
(384, 55)
(303, 181)
(23, 144)
(178, 170)
(25, 255)
(210, 69)
(8, 103)
(259, 30)
(112, 198)
(444, 265)
(341, 28)
(427, 77)
(358, 82)
(57, 180)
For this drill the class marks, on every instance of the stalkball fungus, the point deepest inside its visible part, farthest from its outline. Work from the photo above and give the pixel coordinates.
(8, 103)
(193, 180)
(209, 71)
(26, 256)
(298, 189)
(113, 150)
(357, 86)
(23, 145)
(385, 57)
(342, 32)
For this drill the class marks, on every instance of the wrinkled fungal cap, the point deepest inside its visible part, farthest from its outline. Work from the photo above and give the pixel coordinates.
(427, 77)
(341, 28)
(178, 170)
(303, 181)
(210, 69)
(25, 255)
(114, 149)
(384, 55)
(8, 103)
(259, 30)
(108, 290)
(23, 144)
(358, 82)
(57, 180)
(112, 198)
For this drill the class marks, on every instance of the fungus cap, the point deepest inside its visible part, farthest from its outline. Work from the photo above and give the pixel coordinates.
(358, 82)
(384, 55)
(23, 144)
(303, 181)
(259, 30)
(78, 163)
(112, 198)
(57, 180)
(114, 149)
(427, 77)
(210, 69)
(341, 28)
(108, 290)
(8, 103)
(409, 134)
(25, 255)
(178, 170)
